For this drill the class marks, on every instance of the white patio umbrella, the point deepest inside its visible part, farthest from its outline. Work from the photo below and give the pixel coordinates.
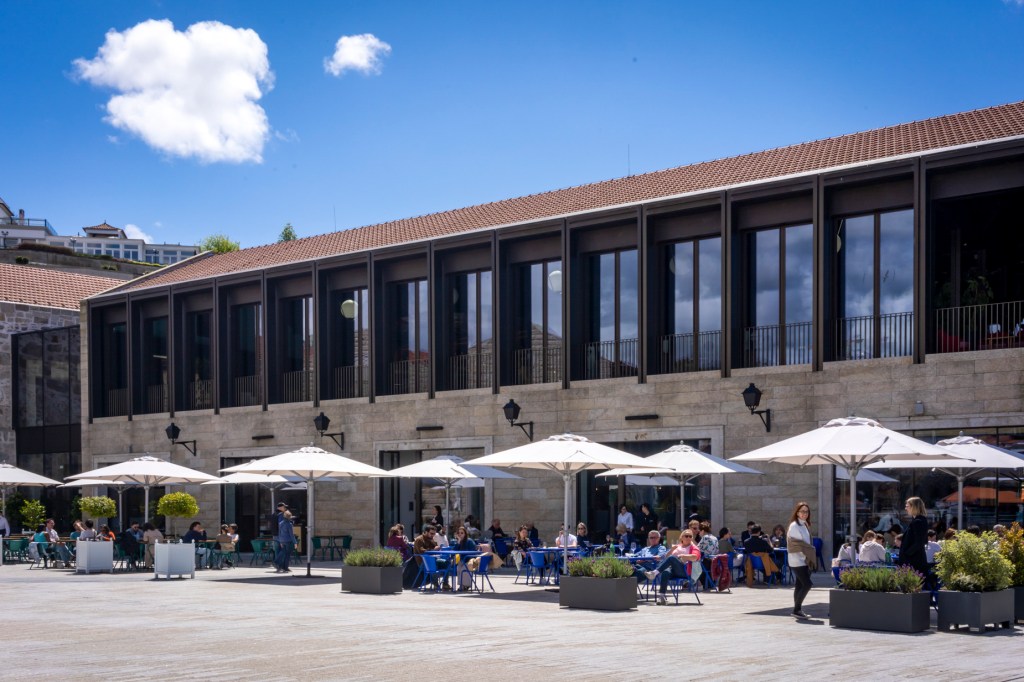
(11, 477)
(448, 469)
(310, 464)
(982, 456)
(682, 463)
(271, 482)
(566, 455)
(851, 442)
(865, 476)
(146, 471)
(86, 482)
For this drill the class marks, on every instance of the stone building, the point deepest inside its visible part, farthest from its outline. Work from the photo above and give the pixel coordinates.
(873, 273)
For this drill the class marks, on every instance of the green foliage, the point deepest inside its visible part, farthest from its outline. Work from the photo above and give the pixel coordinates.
(33, 514)
(76, 507)
(600, 567)
(1011, 546)
(288, 233)
(99, 507)
(968, 563)
(374, 556)
(881, 579)
(13, 511)
(181, 505)
(21, 260)
(218, 243)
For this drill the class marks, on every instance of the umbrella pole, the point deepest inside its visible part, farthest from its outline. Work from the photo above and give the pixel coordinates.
(960, 502)
(852, 469)
(145, 509)
(447, 507)
(309, 531)
(565, 537)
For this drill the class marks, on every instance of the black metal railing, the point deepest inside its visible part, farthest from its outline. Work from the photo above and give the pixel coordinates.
(26, 222)
(473, 370)
(979, 327)
(246, 391)
(199, 395)
(537, 365)
(156, 398)
(117, 402)
(691, 352)
(409, 376)
(609, 359)
(777, 344)
(873, 336)
(297, 387)
(351, 381)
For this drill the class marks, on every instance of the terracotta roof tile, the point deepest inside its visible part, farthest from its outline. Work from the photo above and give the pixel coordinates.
(49, 288)
(982, 125)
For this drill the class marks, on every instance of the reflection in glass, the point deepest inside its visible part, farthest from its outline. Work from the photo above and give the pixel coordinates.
(245, 351)
(153, 371)
(469, 330)
(296, 348)
(537, 323)
(691, 332)
(611, 329)
(348, 345)
(198, 366)
(408, 367)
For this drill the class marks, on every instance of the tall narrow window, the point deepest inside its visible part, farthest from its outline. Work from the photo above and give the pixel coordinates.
(611, 331)
(198, 361)
(408, 365)
(154, 365)
(469, 330)
(779, 288)
(296, 349)
(537, 323)
(348, 354)
(875, 266)
(245, 354)
(692, 332)
(113, 370)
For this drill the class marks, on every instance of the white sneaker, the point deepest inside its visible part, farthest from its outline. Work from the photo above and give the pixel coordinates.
(661, 600)
(651, 575)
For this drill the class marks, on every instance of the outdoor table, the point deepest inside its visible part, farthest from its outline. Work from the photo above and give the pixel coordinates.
(451, 554)
(330, 543)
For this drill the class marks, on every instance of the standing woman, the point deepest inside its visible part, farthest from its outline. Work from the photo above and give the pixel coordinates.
(915, 537)
(801, 556)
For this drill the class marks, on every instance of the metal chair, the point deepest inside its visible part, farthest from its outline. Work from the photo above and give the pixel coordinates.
(676, 585)
(430, 571)
(539, 566)
(818, 545)
(262, 551)
(757, 565)
(481, 573)
(502, 550)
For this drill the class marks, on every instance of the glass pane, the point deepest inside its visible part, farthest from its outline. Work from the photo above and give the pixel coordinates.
(764, 263)
(799, 272)
(710, 285)
(486, 313)
(896, 262)
(553, 288)
(628, 294)
(604, 278)
(30, 379)
(857, 263)
(680, 282)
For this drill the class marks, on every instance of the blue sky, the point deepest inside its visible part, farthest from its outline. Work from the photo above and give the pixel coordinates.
(239, 126)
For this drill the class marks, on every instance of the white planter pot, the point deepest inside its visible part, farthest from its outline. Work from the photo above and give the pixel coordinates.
(174, 559)
(94, 557)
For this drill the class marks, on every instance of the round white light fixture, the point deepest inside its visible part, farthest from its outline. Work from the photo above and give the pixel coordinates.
(349, 309)
(555, 280)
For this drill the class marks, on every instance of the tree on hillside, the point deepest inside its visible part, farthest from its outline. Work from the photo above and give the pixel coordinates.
(288, 233)
(218, 243)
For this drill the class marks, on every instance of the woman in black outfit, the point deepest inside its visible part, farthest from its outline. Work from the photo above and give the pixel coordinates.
(438, 518)
(912, 549)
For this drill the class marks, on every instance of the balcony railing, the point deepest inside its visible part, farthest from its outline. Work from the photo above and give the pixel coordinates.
(156, 399)
(777, 344)
(609, 359)
(246, 391)
(409, 376)
(691, 352)
(873, 336)
(979, 327)
(117, 402)
(537, 365)
(351, 381)
(297, 387)
(473, 370)
(26, 222)
(199, 395)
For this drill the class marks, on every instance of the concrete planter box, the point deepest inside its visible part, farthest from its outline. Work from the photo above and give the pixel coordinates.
(1018, 603)
(884, 611)
(601, 594)
(976, 610)
(371, 579)
(94, 557)
(174, 558)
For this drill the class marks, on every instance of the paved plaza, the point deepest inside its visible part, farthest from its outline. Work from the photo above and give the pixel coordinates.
(250, 624)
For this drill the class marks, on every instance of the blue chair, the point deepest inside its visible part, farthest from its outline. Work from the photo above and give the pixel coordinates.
(818, 545)
(677, 585)
(757, 565)
(535, 542)
(429, 571)
(501, 549)
(481, 573)
(539, 567)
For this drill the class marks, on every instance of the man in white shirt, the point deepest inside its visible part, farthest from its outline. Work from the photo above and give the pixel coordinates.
(931, 547)
(63, 553)
(571, 538)
(625, 518)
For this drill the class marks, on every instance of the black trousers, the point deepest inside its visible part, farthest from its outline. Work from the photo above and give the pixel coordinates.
(802, 575)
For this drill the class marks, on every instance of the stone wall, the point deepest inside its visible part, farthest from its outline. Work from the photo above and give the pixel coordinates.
(958, 391)
(16, 318)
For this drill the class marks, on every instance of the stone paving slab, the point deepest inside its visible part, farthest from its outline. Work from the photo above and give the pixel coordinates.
(252, 624)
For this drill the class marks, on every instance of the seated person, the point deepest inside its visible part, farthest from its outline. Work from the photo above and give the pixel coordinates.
(674, 565)
(565, 539)
(129, 547)
(398, 542)
(725, 545)
(57, 547)
(136, 531)
(78, 528)
(533, 533)
(150, 536)
(425, 542)
(521, 545)
(623, 538)
(931, 547)
(195, 535)
(653, 550)
(778, 538)
(226, 543)
(106, 534)
(846, 553)
(442, 537)
(40, 545)
(757, 544)
(582, 535)
(871, 552)
(745, 535)
(90, 531)
(495, 529)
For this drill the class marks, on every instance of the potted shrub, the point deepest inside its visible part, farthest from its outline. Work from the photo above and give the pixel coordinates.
(880, 598)
(33, 514)
(374, 570)
(975, 578)
(98, 507)
(601, 583)
(175, 558)
(1011, 546)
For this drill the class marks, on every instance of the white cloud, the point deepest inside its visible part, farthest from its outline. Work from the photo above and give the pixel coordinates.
(357, 53)
(189, 93)
(1018, 3)
(135, 232)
